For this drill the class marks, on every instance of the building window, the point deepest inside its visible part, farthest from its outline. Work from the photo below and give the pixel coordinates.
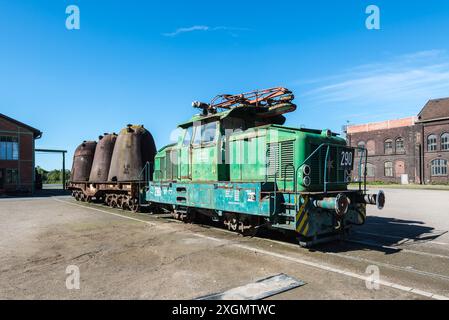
(9, 148)
(388, 146)
(370, 170)
(400, 145)
(438, 167)
(361, 145)
(388, 168)
(371, 147)
(432, 143)
(445, 141)
(12, 176)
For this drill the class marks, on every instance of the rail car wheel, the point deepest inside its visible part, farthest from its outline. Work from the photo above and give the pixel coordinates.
(119, 202)
(107, 200)
(113, 203)
(134, 205)
(125, 203)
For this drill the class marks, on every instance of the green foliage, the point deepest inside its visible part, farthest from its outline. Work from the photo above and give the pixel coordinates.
(53, 176)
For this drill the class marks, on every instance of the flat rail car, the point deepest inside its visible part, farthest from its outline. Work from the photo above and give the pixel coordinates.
(122, 195)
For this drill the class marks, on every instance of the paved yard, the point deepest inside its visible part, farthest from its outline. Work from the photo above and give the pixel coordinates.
(138, 256)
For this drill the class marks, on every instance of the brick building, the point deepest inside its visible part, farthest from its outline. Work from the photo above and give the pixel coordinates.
(414, 149)
(17, 167)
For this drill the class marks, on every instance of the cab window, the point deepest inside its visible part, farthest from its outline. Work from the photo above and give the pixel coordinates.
(209, 131)
(187, 137)
(197, 136)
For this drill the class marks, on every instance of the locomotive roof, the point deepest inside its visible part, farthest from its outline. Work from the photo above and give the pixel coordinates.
(243, 111)
(307, 130)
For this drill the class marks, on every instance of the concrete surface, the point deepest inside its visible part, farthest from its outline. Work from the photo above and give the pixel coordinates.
(126, 256)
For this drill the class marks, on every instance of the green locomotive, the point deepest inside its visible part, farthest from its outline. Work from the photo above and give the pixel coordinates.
(236, 163)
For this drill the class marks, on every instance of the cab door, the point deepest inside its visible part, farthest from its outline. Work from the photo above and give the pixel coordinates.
(206, 152)
(185, 155)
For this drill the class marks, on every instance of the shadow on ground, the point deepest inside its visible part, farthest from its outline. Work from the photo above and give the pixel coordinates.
(40, 194)
(387, 235)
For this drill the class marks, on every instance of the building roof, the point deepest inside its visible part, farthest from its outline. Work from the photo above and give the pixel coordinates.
(434, 110)
(37, 133)
(383, 125)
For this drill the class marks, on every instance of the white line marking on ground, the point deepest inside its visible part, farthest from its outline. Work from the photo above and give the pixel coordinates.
(422, 253)
(104, 211)
(387, 265)
(285, 257)
(391, 266)
(346, 273)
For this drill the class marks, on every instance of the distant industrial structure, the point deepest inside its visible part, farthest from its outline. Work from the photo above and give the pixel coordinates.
(414, 149)
(17, 161)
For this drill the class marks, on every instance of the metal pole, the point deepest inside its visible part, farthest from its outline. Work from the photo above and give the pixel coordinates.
(63, 171)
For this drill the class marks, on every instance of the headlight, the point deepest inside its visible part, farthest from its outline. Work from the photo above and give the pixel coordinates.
(306, 170)
(326, 133)
(306, 181)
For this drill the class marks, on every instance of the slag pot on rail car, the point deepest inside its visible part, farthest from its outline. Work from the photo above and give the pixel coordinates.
(82, 161)
(103, 158)
(133, 149)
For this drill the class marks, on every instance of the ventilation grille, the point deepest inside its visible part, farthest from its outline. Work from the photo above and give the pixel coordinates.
(171, 165)
(281, 160)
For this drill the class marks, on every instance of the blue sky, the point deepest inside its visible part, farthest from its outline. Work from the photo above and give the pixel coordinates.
(144, 62)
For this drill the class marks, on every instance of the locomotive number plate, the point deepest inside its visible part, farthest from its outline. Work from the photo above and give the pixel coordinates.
(347, 159)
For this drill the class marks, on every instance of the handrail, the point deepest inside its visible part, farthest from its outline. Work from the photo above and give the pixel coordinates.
(325, 169)
(267, 164)
(285, 176)
(146, 173)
